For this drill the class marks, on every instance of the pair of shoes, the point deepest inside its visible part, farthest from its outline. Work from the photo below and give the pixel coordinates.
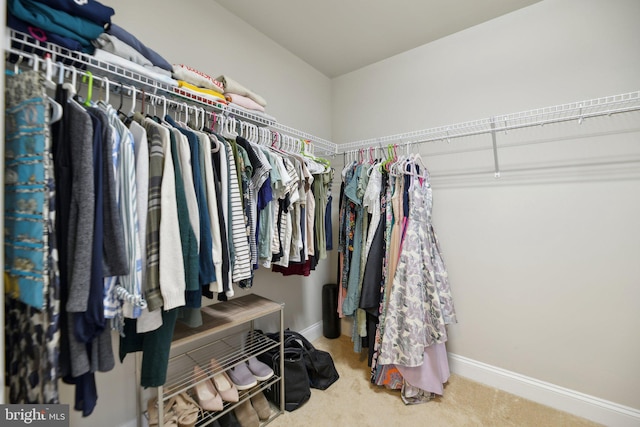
(246, 415)
(247, 374)
(250, 412)
(211, 392)
(262, 407)
(169, 418)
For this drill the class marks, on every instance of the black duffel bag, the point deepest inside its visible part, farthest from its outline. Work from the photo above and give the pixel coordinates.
(320, 367)
(296, 379)
(321, 370)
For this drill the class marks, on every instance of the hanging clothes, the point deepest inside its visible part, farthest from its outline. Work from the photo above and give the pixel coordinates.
(392, 263)
(32, 336)
(149, 216)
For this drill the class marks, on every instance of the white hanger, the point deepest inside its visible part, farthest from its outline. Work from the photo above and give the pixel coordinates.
(60, 72)
(133, 99)
(71, 87)
(107, 89)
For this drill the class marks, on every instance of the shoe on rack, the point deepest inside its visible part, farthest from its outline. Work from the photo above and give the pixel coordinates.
(223, 383)
(262, 407)
(169, 418)
(246, 415)
(258, 369)
(206, 393)
(187, 410)
(242, 377)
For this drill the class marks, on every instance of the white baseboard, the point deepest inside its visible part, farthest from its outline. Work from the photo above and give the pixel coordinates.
(312, 332)
(593, 408)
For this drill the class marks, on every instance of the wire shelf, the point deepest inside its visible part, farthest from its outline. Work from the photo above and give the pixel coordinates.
(559, 113)
(24, 45)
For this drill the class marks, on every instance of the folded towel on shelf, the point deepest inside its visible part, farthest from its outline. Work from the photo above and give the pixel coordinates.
(152, 73)
(196, 78)
(232, 86)
(116, 46)
(128, 38)
(182, 83)
(88, 9)
(243, 101)
(56, 21)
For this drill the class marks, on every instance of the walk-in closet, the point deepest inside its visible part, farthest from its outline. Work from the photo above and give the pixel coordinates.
(453, 189)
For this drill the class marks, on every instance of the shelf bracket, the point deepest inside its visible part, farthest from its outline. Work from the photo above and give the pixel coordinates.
(495, 148)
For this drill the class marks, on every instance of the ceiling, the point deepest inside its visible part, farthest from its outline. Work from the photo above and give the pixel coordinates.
(340, 36)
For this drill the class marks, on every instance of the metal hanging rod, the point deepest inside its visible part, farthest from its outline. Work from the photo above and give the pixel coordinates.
(23, 44)
(559, 113)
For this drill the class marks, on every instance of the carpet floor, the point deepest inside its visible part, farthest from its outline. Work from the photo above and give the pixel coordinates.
(354, 401)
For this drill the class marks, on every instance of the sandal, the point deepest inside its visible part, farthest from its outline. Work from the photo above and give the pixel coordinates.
(169, 417)
(186, 410)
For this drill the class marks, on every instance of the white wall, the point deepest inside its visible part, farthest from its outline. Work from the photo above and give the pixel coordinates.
(202, 34)
(543, 263)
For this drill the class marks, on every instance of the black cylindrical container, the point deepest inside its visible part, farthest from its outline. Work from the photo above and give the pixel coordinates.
(330, 319)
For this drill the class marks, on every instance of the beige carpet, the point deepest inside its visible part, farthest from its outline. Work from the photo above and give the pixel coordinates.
(354, 401)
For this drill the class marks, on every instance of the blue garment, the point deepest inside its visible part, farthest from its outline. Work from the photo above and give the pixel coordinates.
(352, 299)
(55, 21)
(26, 174)
(40, 34)
(89, 9)
(128, 38)
(207, 271)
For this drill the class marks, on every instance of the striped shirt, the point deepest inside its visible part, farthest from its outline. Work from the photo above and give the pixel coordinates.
(241, 268)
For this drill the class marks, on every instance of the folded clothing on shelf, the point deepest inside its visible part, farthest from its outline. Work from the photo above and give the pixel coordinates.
(196, 78)
(243, 101)
(232, 86)
(198, 96)
(88, 9)
(42, 35)
(119, 48)
(128, 38)
(183, 84)
(57, 21)
(152, 73)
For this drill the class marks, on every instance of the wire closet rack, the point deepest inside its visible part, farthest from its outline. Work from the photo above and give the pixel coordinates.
(36, 51)
(559, 113)
(577, 111)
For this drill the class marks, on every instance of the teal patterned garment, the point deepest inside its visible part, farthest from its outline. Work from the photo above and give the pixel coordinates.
(32, 330)
(28, 167)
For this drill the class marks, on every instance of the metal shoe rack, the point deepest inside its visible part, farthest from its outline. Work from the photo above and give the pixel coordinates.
(228, 336)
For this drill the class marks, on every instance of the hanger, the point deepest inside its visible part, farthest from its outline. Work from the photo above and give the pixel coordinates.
(133, 100)
(60, 72)
(71, 87)
(88, 77)
(16, 66)
(143, 101)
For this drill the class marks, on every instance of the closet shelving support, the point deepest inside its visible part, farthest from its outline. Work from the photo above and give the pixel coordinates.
(577, 111)
(22, 44)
